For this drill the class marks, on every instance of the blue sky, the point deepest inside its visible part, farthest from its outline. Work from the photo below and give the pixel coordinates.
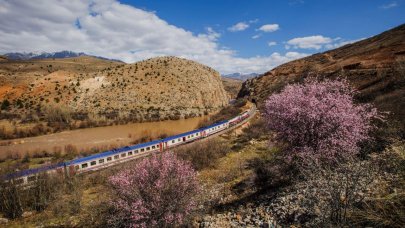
(228, 35)
(348, 19)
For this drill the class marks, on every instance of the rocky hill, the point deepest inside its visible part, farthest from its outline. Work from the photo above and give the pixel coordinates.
(232, 86)
(375, 66)
(158, 88)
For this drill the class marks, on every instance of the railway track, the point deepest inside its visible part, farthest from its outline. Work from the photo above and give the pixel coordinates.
(115, 157)
(253, 110)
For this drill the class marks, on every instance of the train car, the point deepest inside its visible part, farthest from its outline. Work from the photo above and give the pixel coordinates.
(108, 158)
(30, 175)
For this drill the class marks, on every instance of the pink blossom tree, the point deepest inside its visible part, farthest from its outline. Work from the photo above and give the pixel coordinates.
(158, 191)
(319, 120)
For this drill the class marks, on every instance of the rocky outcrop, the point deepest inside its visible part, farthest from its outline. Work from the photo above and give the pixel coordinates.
(375, 66)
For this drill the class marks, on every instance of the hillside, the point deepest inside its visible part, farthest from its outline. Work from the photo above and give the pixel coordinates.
(158, 88)
(91, 88)
(232, 86)
(375, 66)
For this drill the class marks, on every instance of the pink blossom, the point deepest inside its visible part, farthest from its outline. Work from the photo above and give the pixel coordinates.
(319, 120)
(157, 191)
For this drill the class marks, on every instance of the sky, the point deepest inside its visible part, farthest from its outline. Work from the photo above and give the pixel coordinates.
(227, 35)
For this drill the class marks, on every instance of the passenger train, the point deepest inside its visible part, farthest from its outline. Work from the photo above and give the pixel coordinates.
(116, 156)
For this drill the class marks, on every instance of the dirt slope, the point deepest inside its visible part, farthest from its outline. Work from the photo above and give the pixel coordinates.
(375, 66)
(232, 86)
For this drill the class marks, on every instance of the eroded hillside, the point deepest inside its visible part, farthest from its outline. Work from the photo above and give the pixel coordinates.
(375, 66)
(87, 88)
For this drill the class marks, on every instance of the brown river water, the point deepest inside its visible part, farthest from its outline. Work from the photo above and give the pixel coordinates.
(85, 139)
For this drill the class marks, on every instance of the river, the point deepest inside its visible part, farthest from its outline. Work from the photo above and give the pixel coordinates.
(99, 137)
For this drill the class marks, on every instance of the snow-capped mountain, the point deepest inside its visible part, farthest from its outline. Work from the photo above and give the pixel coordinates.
(48, 55)
(240, 76)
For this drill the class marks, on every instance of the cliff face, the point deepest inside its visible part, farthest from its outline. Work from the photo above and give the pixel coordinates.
(158, 88)
(375, 66)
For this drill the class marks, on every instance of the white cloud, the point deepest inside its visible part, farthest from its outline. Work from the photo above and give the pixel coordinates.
(269, 28)
(317, 42)
(389, 6)
(309, 42)
(256, 36)
(341, 43)
(211, 34)
(114, 30)
(239, 27)
(272, 43)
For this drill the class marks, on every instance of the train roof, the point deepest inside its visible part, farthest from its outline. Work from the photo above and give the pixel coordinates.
(194, 131)
(114, 151)
(32, 171)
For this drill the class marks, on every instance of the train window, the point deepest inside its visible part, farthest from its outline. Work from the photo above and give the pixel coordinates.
(188, 136)
(130, 153)
(196, 134)
(32, 178)
(109, 158)
(116, 157)
(178, 140)
(157, 146)
(143, 149)
(93, 163)
(101, 161)
(153, 147)
(136, 151)
(77, 167)
(173, 141)
(148, 148)
(123, 155)
(84, 165)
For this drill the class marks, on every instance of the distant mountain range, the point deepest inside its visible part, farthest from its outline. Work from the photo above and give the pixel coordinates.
(50, 55)
(240, 76)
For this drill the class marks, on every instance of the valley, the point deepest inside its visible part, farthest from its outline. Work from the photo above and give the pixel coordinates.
(51, 95)
(98, 138)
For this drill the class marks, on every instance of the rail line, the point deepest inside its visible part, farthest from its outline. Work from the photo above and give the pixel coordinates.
(115, 157)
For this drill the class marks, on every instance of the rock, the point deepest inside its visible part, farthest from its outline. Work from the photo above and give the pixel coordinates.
(3, 221)
(27, 214)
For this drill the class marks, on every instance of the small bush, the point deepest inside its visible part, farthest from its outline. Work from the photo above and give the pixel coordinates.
(10, 200)
(203, 154)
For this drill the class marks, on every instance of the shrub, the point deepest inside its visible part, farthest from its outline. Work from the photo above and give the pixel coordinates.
(326, 196)
(203, 154)
(157, 192)
(255, 130)
(5, 105)
(272, 171)
(10, 200)
(319, 120)
(43, 191)
(387, 207)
